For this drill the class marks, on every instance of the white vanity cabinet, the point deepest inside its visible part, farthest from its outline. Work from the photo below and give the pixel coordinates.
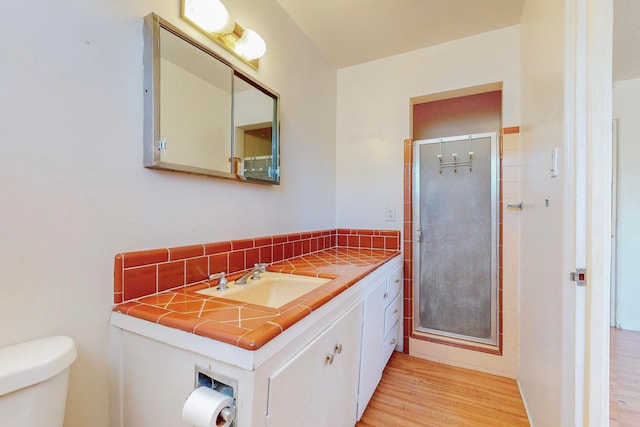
(317, 387)
(380, 333)
(320, 372)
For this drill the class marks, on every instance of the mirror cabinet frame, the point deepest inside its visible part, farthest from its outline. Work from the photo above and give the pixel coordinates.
(153, 139)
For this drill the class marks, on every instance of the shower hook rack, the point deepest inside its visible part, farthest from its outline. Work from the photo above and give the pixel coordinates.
(455, 164)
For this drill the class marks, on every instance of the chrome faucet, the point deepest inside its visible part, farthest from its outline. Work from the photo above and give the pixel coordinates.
(254, 273)
(222, 283)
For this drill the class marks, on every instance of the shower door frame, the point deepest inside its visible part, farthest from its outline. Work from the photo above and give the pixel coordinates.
(494, 340)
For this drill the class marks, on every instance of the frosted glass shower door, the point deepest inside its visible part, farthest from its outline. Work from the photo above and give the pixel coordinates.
(456, 237)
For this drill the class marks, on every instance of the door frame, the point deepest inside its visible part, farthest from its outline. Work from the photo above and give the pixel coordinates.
(590, 107)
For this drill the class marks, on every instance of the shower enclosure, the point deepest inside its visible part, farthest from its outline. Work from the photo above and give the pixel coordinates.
(455, 213)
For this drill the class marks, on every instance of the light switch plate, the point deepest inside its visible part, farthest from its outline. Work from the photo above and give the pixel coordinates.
(391, 214)
(554, 162)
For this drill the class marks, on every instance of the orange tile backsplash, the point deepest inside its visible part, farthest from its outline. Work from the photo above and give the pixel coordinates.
(141, 273)
(160, 285)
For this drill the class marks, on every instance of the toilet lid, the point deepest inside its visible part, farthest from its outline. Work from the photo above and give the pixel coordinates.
(31, 362)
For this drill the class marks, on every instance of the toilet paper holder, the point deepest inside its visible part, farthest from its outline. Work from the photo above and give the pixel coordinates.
(213, 385)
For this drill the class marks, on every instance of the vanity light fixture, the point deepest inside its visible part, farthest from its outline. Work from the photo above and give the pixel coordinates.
(214, 21)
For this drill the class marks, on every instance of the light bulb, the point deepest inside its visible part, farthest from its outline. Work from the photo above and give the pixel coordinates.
(250, 45)
(210, 15)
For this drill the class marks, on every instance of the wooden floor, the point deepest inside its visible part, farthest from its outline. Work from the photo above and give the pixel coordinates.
(415, 392)
(624, 379)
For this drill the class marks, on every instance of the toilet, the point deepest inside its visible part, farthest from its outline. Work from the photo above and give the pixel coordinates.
(33, 382)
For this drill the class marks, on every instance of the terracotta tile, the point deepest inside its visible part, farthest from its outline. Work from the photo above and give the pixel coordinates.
(263, 241)
(220, 331)
(278, 252)
(408, 307)
(291, 316)
(378, 242)
(390, 233)
(241, 244)
(125, 307)
(182, 297)
(332, 241)
(197, 269)
(139, 282)
(180, 321)
(293, 237)
(408, 212)
(222, 315)
(306, 246)
(147, 312)
(216, 248)
(510, 130)
(212, 304)
(236, 261)
(258, 337)
(118, 271)
(266, 255)
(345, 231)
(366, 241)
(297, 248)
(279, 239)
(392, 243)
(315, 299)
(250, 311)
(305, 236)
(136, 259)
(218, 263)
(170, 275)
(343, 240)
(118, 298)
(191, 307)
(157, 299)
(252, 257)
(353, 241)
(183, 252)
(287, 250)
(314, 244)
(257, 322)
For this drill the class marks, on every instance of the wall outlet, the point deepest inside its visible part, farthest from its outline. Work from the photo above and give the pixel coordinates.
(391, 214)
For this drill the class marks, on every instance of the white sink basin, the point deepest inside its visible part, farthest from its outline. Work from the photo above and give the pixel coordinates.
(271, 290)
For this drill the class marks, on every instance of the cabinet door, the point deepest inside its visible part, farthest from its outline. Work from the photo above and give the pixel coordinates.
(371, 356)
(318, 386)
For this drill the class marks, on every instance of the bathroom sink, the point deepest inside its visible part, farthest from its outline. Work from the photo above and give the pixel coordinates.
(271, 290)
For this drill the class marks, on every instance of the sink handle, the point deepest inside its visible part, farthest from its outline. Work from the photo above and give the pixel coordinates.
(222, 283)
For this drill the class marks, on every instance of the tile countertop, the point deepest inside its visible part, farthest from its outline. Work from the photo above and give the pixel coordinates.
(250, 326)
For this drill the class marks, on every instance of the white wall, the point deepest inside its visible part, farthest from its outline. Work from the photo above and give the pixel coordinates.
(545, 370)
(626, 108)
(374, 111)
(72, 186)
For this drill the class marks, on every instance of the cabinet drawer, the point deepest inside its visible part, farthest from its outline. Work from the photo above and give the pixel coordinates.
(392, 314)
(390, 342)
(394, 284)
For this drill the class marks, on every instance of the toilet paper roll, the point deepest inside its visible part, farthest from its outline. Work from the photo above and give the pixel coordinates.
(208, 408)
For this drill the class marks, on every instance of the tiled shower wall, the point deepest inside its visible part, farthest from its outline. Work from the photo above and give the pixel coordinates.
(141, 273)
(506, 363)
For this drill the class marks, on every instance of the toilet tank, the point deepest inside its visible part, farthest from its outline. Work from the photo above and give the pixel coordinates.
(33, 381)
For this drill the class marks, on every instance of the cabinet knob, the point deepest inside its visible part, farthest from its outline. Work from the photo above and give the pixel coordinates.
(338, 348)
(329, 359)
(396, 281)
(395, 311)
(393, 341)
(386, 294)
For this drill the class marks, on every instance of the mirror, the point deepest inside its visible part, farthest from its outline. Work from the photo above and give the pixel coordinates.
(202, 115)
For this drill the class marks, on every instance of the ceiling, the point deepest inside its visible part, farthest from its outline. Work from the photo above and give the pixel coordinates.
(351, 32)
